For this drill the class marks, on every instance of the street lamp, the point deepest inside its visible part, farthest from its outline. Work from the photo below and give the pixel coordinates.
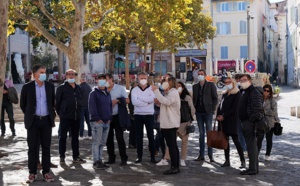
(248, 29)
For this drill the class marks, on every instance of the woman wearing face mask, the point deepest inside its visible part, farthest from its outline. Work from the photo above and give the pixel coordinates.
(270, 108)
(170, 119)
(227, 117)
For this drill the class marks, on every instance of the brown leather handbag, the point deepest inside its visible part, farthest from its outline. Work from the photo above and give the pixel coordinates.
(217, 139)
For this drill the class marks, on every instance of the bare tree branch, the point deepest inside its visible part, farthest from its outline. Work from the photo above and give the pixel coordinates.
(43, 31)
(41, 5)
(99, 24)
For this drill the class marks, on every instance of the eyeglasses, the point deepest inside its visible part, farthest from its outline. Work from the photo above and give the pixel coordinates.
(228, 82)
(265, 90)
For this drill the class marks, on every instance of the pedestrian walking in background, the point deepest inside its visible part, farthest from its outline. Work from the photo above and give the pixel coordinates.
(250, 110)
(68, 107)
(239, 125)
(170, 120)
(195, 74)
(227, 116)
(85, 115)
(117, 93)
(132, 132)
(205, 99)
(100, 106)
(142, 98)
(37, 102)
(270, 109)
(8, 107)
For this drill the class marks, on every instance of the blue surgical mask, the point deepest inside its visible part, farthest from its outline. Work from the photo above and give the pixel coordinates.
(42, 77)
(229, 87)
(102, 82)
(201, 78)
(71, 80)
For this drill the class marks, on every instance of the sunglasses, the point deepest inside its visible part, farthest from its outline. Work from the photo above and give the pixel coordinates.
(265, 90)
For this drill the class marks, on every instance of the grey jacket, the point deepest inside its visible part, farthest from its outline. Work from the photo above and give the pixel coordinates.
(210, 96)
(270, 107)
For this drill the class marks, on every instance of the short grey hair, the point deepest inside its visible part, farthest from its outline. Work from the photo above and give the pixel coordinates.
(143, 73)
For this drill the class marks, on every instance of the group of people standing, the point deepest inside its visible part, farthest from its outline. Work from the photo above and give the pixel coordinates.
(105, 109)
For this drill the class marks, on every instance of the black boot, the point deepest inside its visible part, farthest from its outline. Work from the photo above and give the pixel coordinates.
(243, 164)
(172, 170)
(226, 164)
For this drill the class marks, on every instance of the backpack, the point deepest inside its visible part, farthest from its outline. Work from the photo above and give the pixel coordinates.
(13, 95)
(185, 112)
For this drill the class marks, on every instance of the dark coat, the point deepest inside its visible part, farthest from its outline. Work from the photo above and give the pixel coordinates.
(28, 102)
(85, 92)
(210, 96)
(124, 119)
(68, 101)
(229, 111)
(100, 106)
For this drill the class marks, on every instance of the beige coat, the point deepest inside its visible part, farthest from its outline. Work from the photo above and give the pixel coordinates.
(169, 108)
(182, 128)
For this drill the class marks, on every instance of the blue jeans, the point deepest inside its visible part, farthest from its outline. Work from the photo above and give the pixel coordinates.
(100, 133)
(241, 136)
(85, 115)
(204, 118)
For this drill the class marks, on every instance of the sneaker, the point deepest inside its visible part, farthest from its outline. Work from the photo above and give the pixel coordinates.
(48, 177)
(31, 178)
(100, 165)
(81, 138)
(78, 160)
(162, 162)
(89, 137)
(267, 158)
(182, 163)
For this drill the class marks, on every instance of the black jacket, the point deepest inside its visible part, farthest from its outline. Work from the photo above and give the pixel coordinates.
(210, 96)
(251, 105)
(28, 102)
(85, 92)
(124, 119)
(68, 103)
(229, 111)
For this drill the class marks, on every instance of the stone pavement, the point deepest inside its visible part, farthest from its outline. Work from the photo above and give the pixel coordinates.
(283, 169)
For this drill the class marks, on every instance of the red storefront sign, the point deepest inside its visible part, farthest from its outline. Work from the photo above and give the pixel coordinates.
(228, 65)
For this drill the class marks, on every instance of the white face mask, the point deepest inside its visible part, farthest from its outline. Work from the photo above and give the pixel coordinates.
(245, 85)
(165, 85)
(107, 84)
(143, 82)
(229, 87)
(239, 83)
(179, 90)
(201, 78)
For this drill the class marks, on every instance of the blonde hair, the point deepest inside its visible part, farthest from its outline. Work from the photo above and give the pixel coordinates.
(172, 82)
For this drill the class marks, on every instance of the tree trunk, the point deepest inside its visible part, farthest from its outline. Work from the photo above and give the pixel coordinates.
(75, 53)
(60, 63)
(3, 47)
(152, 59)
(145, 53)
(127, 46)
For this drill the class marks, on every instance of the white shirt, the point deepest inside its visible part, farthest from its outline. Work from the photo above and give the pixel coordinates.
(117, 91)
(143, 101)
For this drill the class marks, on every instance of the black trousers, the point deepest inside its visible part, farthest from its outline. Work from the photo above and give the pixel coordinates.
(65, 126)
(238, 146)
(148, 120)
(115, 127)
(39, 133)
(132, 133)
(170, 136)
(8, 107)
(269, 138)
(160, 142)
(251, 142)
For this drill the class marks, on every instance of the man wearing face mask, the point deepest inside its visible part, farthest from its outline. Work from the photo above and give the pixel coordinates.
(68, 107)
(205, 99)
(250, 111)
(37, 102)
(116, 92)
(100, 108)
(142, 98)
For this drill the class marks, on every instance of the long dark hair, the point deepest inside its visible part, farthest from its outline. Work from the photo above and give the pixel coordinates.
(271, 90)
(184, 91)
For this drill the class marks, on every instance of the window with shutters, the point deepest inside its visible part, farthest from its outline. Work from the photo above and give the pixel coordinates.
(224, 52)
(223, 28)
(224, 7)
(243, 51)
(241, 6)
(243, 27)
